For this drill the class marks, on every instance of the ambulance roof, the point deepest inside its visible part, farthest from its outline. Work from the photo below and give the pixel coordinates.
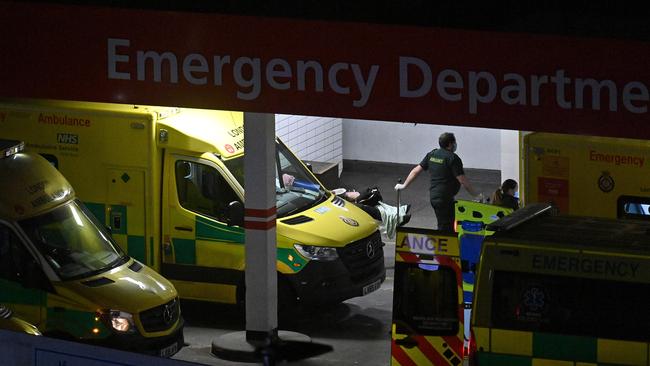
(577, 232)
(30, 185)
(570, 141)
(205, 130)
(221, 132)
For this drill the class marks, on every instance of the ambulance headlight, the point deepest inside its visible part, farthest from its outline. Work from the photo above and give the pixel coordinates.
(120, 321)
(317, 253)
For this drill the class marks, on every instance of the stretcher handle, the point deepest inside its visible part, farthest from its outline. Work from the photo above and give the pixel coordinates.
(399, 218)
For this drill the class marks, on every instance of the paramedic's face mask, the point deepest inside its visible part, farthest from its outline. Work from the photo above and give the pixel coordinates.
(454, 146)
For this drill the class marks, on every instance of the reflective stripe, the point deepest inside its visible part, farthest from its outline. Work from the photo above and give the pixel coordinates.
(399, 357)
(259, 225)
(431, 352)
(259, 219)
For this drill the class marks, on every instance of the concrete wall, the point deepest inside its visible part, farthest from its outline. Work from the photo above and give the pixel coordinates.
(329, 139)
(408, 143)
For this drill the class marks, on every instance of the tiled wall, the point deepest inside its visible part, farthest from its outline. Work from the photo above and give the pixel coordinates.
(312, 138)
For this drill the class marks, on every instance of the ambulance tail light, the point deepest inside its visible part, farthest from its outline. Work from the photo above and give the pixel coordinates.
(469, 351)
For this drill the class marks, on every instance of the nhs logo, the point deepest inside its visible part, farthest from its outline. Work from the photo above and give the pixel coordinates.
(67, 138)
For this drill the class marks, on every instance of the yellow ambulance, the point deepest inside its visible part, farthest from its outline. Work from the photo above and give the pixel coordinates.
(61, 270)
(169, 183)
(587, 175)
(562, 290)
(10, 322)
(428, 315)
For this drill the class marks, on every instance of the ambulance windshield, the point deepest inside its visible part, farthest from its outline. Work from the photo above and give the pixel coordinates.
(73, 242)
(296, 191)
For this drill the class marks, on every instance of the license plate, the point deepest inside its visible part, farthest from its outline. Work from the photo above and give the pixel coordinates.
(169, 350)
(371, 287)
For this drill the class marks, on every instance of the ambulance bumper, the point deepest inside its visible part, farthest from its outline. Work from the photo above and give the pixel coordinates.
(358, 271)
(164, 346)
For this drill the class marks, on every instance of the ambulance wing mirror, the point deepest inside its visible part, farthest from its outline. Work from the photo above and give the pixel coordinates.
(308, 165)
(235, 214)
(522, 215)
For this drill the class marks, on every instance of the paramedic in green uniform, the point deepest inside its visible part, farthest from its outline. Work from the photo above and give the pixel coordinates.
(447, 175)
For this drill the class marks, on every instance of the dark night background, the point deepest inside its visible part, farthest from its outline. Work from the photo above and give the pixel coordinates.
(580, 18)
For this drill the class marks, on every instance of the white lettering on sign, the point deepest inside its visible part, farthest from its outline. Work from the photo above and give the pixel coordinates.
(614, 267)
(417, 79)
(483, 87)
(424, 244)
(250, 74)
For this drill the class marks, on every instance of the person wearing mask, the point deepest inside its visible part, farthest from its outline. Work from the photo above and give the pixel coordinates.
(505, 196)
(447, 175)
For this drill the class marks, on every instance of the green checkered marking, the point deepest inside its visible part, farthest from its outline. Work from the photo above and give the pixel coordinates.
(77, 323)
(136, 247)
(565, 347)
(97, 209)
(212, 231)
(185, 251)
(14, 293)
(283, 256)
(151, 250)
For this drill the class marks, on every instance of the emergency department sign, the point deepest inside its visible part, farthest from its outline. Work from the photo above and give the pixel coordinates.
(424, 75)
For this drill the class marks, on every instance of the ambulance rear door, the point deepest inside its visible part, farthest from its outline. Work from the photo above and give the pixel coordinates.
(428, 316)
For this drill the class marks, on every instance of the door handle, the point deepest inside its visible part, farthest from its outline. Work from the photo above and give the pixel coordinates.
(183, 228)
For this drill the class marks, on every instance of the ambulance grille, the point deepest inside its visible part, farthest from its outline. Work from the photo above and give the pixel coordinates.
(161, 317)
(356, 260)
(297, 220)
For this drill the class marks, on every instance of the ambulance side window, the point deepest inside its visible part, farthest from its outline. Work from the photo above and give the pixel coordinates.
(632, 207)
(570, 305)
(203, 190)
(52, 160)
(16, 263)
(8, 258)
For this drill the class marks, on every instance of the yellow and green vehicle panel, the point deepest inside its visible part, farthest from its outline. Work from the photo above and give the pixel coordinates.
(564, 290)
(520, 348)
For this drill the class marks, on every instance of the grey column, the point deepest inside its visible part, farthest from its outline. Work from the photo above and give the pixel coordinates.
(259, 222)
